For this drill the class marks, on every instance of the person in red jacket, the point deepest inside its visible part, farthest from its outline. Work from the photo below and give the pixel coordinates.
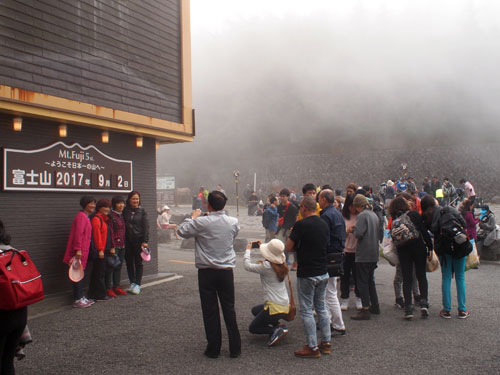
(101, 240)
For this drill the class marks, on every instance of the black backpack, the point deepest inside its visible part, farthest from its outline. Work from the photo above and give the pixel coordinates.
(452, 228)
(267, 218)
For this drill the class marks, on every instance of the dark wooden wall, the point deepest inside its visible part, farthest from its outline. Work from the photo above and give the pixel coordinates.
(123, 54)
(40, 221)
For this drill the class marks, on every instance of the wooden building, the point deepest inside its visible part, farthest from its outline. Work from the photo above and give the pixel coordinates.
(90, 88)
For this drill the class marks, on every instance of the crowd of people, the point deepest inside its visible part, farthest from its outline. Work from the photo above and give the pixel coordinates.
(326, 237)
(429, 212)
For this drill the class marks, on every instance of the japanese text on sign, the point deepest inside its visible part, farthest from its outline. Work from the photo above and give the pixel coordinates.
(60, 167)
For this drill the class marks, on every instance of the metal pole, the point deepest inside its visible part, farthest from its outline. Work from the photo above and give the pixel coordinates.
(255, 182)
(236, 174)
(237, 199)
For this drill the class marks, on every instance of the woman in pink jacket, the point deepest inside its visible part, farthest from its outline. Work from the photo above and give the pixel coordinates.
(78, 245)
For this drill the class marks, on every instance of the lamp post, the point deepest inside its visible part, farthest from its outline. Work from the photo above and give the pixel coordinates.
(236, 174)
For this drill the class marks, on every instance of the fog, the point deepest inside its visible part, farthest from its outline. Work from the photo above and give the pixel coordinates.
(357, 75)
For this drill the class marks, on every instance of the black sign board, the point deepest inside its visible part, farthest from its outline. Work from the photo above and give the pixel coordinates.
(60, 167)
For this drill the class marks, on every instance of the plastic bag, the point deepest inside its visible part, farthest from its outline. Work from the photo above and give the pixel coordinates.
(389, 251)
(472, 260)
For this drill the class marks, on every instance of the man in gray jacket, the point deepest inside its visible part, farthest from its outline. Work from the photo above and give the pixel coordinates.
(367, 253)
(215, 259)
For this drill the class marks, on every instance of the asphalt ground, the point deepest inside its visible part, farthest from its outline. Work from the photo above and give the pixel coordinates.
(161, 330)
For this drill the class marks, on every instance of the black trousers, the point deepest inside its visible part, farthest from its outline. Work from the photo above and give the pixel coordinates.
(216, 285)
(407, 258)
(134, 262)
(263, 323)
(366, 283)
(345, 280)
(12, 323)
(97, 288)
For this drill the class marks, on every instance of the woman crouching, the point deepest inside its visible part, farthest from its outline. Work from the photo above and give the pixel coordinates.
(272, 270)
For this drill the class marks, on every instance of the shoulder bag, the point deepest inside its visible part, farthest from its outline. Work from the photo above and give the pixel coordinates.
(292, 308)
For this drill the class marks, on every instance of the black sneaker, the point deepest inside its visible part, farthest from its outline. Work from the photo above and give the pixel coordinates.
(408, 313)
(278, 335)
(106, 298)
(424, 308)
(338, 332)
(424, 311)
(400, 304)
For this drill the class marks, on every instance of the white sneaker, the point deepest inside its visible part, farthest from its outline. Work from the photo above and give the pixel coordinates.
(344, 304)
(130, 288)
(359, 304)
(137, 289)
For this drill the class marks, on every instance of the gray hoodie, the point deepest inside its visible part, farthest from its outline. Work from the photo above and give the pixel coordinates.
(366, 231)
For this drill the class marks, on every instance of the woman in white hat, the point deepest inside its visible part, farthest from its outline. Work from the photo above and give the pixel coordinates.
(273, 271)
(164, 221)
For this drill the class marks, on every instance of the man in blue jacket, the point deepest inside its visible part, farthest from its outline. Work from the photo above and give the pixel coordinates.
(336, 245)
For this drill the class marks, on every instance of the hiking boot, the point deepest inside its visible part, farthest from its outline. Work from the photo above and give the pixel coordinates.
(445, 314)
(400, 303)
(344, 304)
(120, 291)
(463, 314)
(359, 303)
(308, 352)
(363, 314)
(325, 347)
(111, 293)
(375, 309)
(278, 335)
(81, 303)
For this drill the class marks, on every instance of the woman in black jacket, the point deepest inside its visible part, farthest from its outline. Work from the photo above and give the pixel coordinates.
(137, 236)
(413, 253)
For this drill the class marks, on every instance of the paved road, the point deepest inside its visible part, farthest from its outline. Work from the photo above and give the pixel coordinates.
(161, 332)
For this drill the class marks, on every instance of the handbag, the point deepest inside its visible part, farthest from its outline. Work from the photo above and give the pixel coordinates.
(334, 264)
(433, 264)
(292, 309)
(20, 282)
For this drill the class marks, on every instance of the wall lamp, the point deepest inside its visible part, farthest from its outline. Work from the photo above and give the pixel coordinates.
(138, 141)
(63, 130)
(105, 137)
(17, 124)
(157, 145)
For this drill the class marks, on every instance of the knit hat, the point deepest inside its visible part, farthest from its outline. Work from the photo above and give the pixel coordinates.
(273, 251)
(360, 201)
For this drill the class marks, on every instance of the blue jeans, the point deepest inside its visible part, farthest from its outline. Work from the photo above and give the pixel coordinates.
(450, 265)
(312, 293)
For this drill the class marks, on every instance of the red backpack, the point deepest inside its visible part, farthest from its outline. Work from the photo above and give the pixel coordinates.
(20, 282)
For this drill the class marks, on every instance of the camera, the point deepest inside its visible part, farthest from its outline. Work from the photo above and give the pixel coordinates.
(255, 244)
